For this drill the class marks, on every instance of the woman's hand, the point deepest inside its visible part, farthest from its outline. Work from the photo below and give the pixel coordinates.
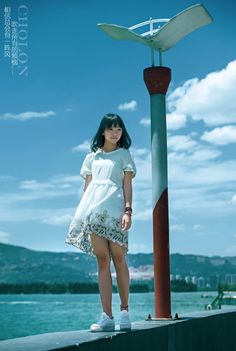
(126, 222)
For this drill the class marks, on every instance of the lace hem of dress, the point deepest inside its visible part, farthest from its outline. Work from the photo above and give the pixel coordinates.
(102, 225)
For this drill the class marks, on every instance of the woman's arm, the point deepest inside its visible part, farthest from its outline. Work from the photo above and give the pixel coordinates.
(87, 181)
(127, 190)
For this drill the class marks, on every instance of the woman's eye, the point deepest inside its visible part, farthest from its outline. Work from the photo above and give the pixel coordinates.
(118, 130)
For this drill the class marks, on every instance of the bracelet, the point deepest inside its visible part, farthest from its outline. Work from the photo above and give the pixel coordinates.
(128, 211)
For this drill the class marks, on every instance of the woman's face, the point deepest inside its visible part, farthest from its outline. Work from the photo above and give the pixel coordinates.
(113, 134)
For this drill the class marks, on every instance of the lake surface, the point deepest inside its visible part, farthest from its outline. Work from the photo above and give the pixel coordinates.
(22, 315)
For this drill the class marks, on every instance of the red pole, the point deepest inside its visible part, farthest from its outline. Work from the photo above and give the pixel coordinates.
(157, 80)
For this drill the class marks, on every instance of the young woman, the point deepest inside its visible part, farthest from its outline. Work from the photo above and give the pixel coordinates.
(103, 216)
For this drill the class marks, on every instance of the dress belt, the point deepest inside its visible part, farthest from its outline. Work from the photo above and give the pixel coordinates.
(104, 181)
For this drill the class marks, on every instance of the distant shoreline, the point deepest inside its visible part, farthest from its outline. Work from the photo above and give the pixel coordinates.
(83, 288)
(58, 288)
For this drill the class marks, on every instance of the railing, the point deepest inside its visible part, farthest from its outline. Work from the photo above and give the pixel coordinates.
(216, 303)
(223, 298)
(229, 298)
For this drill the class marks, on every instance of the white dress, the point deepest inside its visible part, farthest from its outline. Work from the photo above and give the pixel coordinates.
(101, 207)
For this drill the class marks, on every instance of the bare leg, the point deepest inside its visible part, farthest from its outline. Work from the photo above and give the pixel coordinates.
(122, 273)
(101, 250)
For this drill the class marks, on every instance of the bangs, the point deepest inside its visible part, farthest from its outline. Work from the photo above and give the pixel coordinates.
(112, 120)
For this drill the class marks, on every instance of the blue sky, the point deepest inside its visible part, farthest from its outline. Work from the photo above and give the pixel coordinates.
(76, 74)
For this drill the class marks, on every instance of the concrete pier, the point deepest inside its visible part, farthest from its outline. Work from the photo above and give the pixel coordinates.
(198, 331)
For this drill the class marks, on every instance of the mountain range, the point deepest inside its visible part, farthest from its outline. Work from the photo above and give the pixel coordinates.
(23, 265)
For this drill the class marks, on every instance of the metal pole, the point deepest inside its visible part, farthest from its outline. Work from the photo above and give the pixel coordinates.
(157, 80)
(152, 56)
(160, 57)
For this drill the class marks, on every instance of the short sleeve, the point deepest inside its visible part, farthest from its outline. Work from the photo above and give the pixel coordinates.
(86, 167)
(129, 164)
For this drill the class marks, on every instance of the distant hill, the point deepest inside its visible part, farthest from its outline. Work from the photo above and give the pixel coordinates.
(22, 265)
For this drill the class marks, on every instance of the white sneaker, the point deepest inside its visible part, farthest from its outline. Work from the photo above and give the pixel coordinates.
(105, 324)
(125, 322)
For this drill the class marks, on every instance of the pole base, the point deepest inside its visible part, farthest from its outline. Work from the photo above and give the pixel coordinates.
(150, 318)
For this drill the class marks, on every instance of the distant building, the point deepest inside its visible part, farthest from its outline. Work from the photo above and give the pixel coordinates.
(214, 280)
(230, 279)
(201, 283)
(187, 279)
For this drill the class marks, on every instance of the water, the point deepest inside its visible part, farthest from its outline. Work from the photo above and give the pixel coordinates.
(22, 315)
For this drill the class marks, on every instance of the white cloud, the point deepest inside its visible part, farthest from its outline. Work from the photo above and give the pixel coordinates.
(58, 186)
(55, 183)
(128, 106)
(24, 116)
(142, 180)
(198, 156)
(35, 185)
(4, 237)
(136, 248)
(181, 142)
(145, 121)
(198, 227)
(205, 154)
(52, 216)
(201, 202)
(183, 148)
(58, 220)
(143, 215)
(221, 136)
(197, 180)
(15, 206)
(211, 99)
(62, 179)
(193, 134)
(233, 199)
(17, 198)
(58, 181)
(177, 227)
(174, 121)
(140, 151)
(206, 174)
(84, 147)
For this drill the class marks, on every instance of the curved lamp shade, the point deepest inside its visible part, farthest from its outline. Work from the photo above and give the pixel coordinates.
(169, 34)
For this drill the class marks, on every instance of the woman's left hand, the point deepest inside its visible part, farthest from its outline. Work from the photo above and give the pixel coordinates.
(126, 222)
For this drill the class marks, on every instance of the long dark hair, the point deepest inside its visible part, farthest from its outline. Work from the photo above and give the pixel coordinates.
(108, 121)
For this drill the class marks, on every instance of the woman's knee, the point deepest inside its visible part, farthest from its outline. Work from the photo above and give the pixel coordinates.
(119, 261)
(100, 249)
(118, 255)
(103, 260)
